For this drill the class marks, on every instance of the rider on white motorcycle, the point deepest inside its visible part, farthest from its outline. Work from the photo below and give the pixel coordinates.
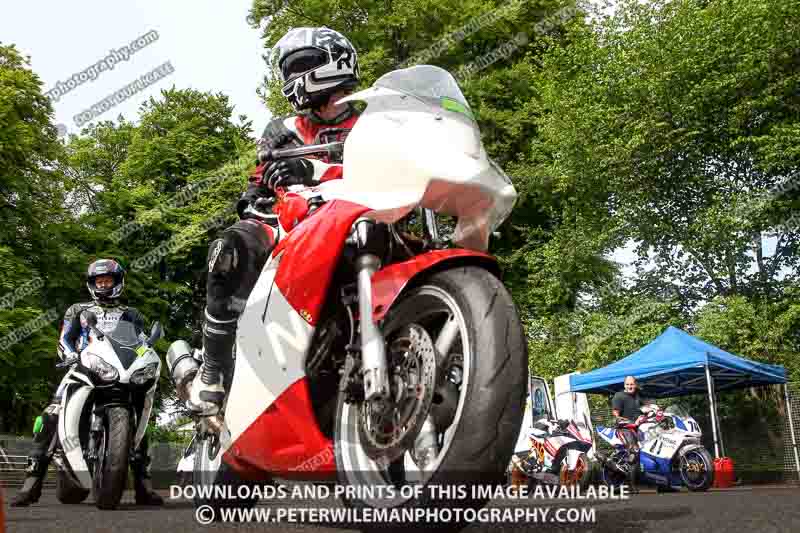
(318, 67)
(105, 281)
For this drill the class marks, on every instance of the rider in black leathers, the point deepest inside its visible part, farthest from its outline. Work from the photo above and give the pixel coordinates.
(318, 67)
(105, 281)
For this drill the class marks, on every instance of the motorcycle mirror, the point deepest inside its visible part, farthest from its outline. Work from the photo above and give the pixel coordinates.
(155, 333)
(91, 319)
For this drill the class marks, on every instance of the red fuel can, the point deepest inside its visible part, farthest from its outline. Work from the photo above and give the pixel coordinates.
(723, 472)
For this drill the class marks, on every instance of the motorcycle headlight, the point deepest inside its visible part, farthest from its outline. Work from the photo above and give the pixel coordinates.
(144, 374)
(100, 367)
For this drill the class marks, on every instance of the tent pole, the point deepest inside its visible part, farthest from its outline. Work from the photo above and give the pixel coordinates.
(719, 422)
(791, 429)
(713, 407)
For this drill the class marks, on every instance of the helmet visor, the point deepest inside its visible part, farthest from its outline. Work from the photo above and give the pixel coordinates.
(301, 61)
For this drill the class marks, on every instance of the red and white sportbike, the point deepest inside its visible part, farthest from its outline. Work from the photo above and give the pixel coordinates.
(366, 355)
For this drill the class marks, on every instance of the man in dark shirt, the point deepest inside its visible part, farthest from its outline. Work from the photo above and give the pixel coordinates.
(627, 404)
(627, 407)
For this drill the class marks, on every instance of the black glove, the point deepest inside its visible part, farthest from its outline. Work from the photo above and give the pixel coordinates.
(69, 360)
(289, 172)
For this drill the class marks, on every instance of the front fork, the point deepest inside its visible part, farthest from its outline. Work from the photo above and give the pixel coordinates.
(374, 365)
(95, 429)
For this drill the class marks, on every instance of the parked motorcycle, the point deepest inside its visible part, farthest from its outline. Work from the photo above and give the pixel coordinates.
(558, 455)
(104, 412)
(670, 453)
(369, 355)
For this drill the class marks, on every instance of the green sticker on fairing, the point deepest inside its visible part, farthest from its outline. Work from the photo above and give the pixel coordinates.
(141, 350)
(451, 104)
(37, 425)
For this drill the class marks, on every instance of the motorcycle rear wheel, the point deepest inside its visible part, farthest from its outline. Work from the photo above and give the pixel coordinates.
(470, 316)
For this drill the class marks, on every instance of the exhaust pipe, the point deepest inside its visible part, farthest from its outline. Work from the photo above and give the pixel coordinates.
(182, 367)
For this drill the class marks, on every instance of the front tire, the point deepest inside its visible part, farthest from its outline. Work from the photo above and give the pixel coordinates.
(480, 388)
(111, 472)
(697, 469)
(580, 477)
(210, 471)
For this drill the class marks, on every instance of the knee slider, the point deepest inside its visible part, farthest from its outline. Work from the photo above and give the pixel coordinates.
(222, 255)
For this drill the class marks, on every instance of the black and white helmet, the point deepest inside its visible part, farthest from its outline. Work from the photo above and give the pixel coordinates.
(314, 63)
(104, 267)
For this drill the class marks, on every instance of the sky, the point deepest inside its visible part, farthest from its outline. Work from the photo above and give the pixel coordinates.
(208, 43)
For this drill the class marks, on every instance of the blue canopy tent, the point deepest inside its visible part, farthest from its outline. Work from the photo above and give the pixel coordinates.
(676, 364)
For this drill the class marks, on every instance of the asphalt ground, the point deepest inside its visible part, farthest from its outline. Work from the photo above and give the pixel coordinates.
(751, 509)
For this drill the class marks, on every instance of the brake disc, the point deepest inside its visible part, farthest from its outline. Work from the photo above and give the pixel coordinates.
(388, 427)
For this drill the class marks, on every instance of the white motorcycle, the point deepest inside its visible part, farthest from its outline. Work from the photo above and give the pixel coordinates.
(670, 452)
(106, 403)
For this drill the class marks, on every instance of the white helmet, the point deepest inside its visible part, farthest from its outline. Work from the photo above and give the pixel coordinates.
(314, 63)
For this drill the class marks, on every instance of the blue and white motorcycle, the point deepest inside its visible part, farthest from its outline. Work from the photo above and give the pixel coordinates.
(670, 452)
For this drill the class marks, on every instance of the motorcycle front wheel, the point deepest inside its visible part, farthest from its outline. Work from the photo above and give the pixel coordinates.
(581, 476)
(209, 472)
(111, 470)
(462, 326)
(697, 469)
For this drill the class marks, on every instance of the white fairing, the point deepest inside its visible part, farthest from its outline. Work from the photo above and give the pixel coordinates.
(573, 406)
(186, 464)
(609, 435)
(411, 148)
(104, 350)
(523, 442)
(665, 443)
(72, 405)
(662, 444)
(270, 353)
(572, 458)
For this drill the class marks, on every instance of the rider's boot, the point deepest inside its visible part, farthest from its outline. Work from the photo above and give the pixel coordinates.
(208, 391)
(38, 461)
(31, 488)
(633, 475)
(145, 495)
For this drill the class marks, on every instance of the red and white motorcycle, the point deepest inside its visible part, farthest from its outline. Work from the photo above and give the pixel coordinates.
(366, 355)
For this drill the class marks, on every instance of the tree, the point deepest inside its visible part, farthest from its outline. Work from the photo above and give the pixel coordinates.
(31, 196)
(672, 113)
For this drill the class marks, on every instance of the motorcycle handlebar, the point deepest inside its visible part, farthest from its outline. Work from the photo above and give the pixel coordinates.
(255, 213)
(332, 150)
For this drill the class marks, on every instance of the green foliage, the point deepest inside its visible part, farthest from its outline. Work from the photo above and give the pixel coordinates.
(668, 113)
(169, 433)
(31, 199)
